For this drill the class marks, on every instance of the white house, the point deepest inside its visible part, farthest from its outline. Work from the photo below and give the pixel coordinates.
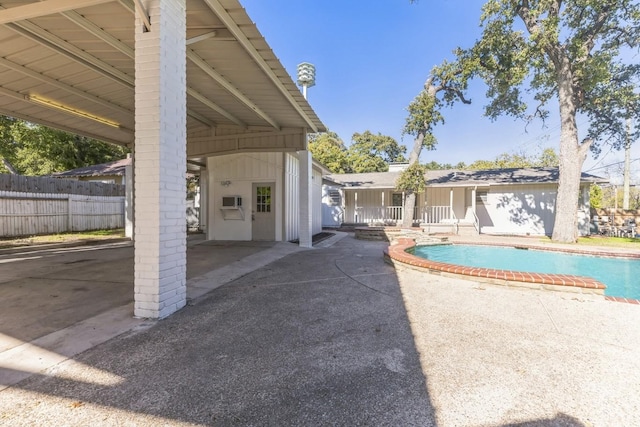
(500, 201)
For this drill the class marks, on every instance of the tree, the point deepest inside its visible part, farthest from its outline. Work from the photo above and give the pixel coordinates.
(328, 149)
(595, 196)
(373, 153)
(412, 180)
(433, 165)
(445, 84)
(31, 149)
(548, 158)
(7, 145)
(576, 52)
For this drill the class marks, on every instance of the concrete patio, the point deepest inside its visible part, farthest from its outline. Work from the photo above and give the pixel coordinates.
(334, 336)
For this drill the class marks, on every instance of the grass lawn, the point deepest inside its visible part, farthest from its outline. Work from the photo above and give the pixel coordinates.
(63, 237)
(614, 242)
(621, 242)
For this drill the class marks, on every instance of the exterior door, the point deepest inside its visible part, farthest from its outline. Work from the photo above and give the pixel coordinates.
(263, 217)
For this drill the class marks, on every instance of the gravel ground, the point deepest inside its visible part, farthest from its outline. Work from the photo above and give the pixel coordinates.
(334, 336)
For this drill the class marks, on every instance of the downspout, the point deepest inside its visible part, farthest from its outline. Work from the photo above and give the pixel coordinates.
(355, 211)
(451, 203)
(454, 224)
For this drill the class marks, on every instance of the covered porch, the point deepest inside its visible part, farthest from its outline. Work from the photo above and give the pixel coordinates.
(437, 209)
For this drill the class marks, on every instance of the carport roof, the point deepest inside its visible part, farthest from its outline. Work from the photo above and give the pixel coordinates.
(79, 55)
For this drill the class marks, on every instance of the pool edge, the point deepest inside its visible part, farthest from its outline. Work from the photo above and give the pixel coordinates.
(397, 252)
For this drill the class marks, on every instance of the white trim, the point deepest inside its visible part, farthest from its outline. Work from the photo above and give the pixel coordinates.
(49, 7)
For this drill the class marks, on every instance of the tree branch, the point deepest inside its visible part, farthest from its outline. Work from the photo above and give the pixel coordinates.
(460, 95)
(9, 167)
(590, 34)
(531, 22)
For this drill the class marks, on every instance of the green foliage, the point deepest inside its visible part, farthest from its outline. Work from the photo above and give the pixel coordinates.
(433, 165)
(578, 50)
(37, 150)
(612, 197)
(328, 149)
(373, 153)
(412, 179)
(367, 153)
(548, 158)
(446, 84)
(424, 114)
(595, 196)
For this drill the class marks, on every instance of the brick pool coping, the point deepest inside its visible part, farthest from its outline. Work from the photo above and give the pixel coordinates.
(400, 250)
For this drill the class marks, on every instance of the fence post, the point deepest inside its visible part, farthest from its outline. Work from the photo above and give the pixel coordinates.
(69, 213)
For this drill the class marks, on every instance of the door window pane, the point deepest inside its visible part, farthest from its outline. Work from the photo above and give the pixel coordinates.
(263, 199)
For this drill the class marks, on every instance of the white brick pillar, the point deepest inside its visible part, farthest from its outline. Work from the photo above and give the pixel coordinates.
(305, 210)
(160, 160)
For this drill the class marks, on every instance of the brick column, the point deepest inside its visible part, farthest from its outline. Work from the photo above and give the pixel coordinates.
(305, 210)
(160, 160)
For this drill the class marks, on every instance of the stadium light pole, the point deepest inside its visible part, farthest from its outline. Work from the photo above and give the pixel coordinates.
(306, 76)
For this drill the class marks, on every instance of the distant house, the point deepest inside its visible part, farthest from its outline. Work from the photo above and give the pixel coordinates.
(500, 201)
(111, 172)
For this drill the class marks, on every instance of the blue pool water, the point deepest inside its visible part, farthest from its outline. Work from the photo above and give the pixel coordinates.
(622, 276)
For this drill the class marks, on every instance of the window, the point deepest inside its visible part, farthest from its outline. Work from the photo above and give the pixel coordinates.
(396, 199)
(334, 197)
(263, 199)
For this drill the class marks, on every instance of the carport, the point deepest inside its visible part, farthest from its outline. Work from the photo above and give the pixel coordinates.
(177, 81)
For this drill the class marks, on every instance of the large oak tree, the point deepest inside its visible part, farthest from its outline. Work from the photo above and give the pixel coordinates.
(578, 53)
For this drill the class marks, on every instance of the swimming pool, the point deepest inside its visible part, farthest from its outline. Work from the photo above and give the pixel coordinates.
(622, 276)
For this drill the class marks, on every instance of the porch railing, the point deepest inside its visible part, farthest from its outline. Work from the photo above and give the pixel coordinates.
(393, 214)
(476, 222)
(437, 215)
(381, 214)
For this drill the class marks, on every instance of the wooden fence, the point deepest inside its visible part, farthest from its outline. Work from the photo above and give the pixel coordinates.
(46, 185)
(34, 205)
(617, 216)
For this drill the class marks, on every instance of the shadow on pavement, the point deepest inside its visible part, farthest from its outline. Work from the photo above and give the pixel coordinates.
(318, 337)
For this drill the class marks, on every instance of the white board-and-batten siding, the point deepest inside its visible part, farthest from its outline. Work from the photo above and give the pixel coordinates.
(292, 201)
(241, 171)
(234, 175)
(517, 209)
(317, 201)
(24, 214)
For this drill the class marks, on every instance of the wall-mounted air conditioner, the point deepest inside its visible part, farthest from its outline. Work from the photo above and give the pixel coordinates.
(231, 202)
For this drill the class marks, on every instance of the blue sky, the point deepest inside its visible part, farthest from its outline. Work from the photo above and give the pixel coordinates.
(372, 58)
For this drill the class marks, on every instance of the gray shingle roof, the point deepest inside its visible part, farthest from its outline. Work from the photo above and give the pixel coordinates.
(104, 169)
(460, 178)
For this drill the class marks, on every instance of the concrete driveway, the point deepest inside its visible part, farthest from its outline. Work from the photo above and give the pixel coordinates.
(333, 336)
